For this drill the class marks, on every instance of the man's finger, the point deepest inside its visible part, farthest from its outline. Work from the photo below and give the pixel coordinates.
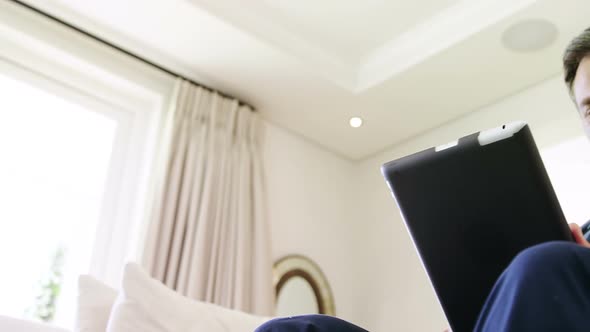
(578, 236)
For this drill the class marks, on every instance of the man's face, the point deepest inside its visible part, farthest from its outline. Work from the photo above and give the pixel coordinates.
(581, 89)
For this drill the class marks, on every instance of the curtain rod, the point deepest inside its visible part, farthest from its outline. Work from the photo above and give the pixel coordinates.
(129, 53)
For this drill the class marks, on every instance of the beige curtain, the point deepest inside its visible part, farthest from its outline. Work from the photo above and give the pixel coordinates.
(208, 238)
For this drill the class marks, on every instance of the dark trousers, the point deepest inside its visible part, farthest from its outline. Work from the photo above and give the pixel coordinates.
(545, 288)
(309, 323)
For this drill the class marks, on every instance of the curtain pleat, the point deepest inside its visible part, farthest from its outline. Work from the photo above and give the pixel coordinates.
(209, 237)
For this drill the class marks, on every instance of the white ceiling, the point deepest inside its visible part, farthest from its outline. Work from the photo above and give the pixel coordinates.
(404, 66)
(346, 30)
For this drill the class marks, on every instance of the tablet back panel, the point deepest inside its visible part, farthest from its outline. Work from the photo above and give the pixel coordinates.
(470, 209)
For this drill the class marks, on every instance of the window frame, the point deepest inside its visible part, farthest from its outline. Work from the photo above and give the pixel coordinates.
(80, 69)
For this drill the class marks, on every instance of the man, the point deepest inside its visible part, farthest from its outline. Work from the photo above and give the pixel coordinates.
(546, 287)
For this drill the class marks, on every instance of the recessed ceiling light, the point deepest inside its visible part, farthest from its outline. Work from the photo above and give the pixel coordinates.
(356, 122)
(530, 35)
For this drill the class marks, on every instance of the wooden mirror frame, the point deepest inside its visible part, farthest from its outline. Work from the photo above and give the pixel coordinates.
(300, 266)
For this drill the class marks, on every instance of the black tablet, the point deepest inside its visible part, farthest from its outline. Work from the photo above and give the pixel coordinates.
(470, 207)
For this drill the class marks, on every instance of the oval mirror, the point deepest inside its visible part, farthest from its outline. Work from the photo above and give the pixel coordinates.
(301, 288)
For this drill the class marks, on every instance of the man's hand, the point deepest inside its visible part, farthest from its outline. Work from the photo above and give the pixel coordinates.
(578, 236)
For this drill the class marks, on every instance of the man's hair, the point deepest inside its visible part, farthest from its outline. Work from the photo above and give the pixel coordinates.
(577, 50)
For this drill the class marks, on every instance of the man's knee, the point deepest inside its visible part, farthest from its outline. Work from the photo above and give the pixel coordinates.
(282, 325)
(308, 323)
(543, 259)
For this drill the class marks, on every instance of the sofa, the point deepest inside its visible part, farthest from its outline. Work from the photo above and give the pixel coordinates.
(143, 304)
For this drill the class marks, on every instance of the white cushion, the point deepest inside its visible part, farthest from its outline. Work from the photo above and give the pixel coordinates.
(146, 305)
(21, 325)
(95, 301)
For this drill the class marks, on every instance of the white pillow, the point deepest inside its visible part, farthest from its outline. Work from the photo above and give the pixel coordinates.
(146, 305)
(14, 324)
(95, 301)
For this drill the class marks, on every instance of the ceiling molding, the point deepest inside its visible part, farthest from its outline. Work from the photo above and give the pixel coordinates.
(404, 51)
(442, 31)
(319, 61)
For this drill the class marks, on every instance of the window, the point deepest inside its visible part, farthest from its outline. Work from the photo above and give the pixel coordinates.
(79, 128)
(55, 159)
(567, 164)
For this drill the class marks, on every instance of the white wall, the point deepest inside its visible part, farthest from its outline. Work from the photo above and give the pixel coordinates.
(310, 199)
(399, 294)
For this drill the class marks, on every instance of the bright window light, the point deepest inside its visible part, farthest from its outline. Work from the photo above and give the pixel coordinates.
(567, 165)
(53, 164)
